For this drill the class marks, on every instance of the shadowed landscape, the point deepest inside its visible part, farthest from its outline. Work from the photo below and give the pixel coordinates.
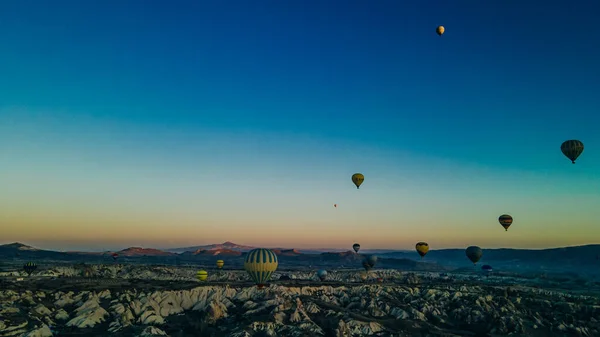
(152, 292)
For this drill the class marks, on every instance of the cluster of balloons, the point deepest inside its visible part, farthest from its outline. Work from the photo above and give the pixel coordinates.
(572, 149)
(202, 275)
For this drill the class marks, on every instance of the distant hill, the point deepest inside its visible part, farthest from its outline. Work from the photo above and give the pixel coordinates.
(228, 245)
(22, 251)
(579, 259)
(18, 247)
(571, 259)
(286, 252)
(212, 252)
(219, 246)
(138, 251)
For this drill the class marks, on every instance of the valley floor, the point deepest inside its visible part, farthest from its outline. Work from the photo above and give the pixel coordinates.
(167, 301)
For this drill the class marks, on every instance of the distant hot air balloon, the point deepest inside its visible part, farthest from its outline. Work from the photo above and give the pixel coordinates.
(474, 254)
(260, 263)
(422, 248)
(440, 30)
(335, 205)
(220, 264)
(372, 260)
(486, 268)
(322, 274)
(202, 275)
(357, 179)
(115, 256)
(356, 247)
(572, 149)
(505, 220)
(29, 268)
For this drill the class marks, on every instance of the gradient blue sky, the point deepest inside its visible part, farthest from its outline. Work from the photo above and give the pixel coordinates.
(164, 124)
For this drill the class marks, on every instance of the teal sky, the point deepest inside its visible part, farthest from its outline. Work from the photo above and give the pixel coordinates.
(126, 123)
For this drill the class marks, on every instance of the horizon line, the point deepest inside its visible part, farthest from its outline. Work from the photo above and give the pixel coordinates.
(323, 250)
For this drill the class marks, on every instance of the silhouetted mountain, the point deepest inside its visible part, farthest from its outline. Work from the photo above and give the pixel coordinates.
(552, 259)
(286, 252)
(580, 259)
(138, 251)
(18, 250)
(213, 252)
(219, 246)
(18, 246)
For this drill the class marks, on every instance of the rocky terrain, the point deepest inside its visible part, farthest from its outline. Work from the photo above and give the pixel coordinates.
(141, 300)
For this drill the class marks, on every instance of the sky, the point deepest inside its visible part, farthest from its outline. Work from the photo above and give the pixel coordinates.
(169, 124)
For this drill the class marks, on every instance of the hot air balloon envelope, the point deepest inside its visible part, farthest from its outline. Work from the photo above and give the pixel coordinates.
(505, 220)
(474, 253)
(422, 248)
(202, 275)
(358, 179)
(572, 149)
(260, 263)
(322, 274)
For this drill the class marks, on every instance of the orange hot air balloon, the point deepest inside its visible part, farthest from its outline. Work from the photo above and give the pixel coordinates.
(335, 205)
(440, 30)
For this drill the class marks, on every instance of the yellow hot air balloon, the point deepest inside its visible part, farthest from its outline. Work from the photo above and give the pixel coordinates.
(440, 30)
(260, 263)
(220, 264)
(422, 248)
(357, 179)
(202, 275)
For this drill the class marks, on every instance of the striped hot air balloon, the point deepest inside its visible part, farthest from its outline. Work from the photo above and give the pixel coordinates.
(220, 264)
(260, 263)
(29, 268)
(202, 275)
(572, 149)
(505, 220)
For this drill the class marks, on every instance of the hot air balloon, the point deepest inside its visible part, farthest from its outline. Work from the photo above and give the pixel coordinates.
(115, 256)
(372, 260)
(357, 179)
(29, 268)
(505, 220)
(220, 264)
(335, 205)
(356, 247)
(474, 254)
(202, 275)
(572, 149)
(322, 274)
(486, 268)
(440, 30)
(260, 263)
(422, 248)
